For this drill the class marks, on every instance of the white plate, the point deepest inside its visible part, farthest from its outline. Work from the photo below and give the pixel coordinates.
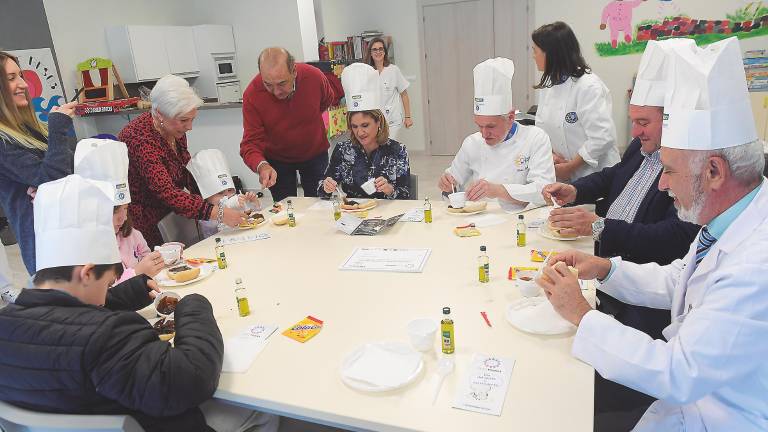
(536, 315)
(465, 214)
(164, 280)
(252, 227)
(545, 232)
(406, 376)
(361, 201)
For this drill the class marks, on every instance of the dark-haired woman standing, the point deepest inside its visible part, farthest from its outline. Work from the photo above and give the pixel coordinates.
(574, 105)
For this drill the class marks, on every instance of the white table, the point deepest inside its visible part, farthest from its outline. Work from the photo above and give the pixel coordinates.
(295, 273)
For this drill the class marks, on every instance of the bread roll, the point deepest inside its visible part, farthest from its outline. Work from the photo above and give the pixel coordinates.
(183, 273)
(557, 231)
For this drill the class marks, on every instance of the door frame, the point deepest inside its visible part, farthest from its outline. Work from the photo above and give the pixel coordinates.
(531, 67)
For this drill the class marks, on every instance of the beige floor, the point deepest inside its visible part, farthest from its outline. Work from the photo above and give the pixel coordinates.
(428, 168)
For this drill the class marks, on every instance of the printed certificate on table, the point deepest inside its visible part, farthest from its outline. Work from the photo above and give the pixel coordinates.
(387, 260)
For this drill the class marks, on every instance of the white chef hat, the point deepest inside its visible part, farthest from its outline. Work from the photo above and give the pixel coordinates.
(361, 87)
(105, 160)
(493, 86)
(653, 73)
(209, 167)
(73, 223)
(707, 105)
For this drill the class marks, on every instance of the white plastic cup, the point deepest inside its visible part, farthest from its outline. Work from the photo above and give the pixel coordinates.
(526, 283)
(369, 187)
(159, 297)
(457, 199)
(422, 332)
(170, 253)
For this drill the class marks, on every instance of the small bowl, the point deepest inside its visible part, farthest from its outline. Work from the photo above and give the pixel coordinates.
(526, 283)
(158, 299)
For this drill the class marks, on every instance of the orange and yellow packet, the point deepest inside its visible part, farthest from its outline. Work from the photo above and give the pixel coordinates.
(538, 255)
(305, 329)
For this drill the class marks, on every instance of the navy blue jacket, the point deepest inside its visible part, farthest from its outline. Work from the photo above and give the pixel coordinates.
(60, 355)
(656, 234)
(21, 168)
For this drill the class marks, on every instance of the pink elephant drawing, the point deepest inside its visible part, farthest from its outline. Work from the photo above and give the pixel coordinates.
(618, 15)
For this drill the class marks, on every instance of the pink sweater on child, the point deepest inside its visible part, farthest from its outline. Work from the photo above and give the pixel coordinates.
(132, 249)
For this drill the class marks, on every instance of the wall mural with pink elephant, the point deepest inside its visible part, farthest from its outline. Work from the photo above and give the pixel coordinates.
(627, 37)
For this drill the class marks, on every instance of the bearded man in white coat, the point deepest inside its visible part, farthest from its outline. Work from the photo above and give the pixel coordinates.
(505, 160)
(711, 373)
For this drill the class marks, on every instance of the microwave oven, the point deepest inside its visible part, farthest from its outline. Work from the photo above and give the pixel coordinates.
(225, 67)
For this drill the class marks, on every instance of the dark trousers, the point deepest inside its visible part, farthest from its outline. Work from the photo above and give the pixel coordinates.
(311, 172)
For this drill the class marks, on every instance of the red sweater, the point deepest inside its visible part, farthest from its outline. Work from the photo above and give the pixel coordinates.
(289, 130)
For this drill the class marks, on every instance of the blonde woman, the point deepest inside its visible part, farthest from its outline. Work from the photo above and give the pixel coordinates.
(30, 152)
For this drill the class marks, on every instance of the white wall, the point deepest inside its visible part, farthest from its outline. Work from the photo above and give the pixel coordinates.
(617, 72)
(397, 18)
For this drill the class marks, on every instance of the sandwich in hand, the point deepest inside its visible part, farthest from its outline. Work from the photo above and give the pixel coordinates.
(557, 232)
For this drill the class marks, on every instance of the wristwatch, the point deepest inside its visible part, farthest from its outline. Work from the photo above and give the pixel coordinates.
(597, 228)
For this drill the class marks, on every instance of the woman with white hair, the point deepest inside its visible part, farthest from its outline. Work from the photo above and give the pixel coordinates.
(157, 173)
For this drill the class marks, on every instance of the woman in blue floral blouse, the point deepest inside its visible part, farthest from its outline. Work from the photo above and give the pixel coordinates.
(369, 154)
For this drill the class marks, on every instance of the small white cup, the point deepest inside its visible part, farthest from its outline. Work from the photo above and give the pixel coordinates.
(156, 302)
(170, 253)
(369, 187)
(526, 283)
(422, 332)
(457, 199)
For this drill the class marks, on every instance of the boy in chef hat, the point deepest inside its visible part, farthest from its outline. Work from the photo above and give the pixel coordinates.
(370, 164)
(505, 160)
(107, 160)
(710, 372)
(211, 172)
(73, 345)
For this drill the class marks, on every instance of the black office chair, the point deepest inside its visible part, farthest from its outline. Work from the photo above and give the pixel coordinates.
(413, 187)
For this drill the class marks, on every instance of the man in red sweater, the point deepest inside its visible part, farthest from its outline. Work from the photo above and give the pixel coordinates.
(283, 130)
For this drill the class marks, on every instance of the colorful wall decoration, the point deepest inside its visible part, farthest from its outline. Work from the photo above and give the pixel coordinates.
(42, 77)
(625, 38)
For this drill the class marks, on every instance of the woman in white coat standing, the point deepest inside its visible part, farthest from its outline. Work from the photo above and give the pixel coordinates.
(394, 95)
(574, 105)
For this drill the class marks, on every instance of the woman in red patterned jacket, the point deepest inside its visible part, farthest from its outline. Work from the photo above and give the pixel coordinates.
(157, 173)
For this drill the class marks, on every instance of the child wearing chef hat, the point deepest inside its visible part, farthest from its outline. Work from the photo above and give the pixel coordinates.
(211, 172)
(107, 160)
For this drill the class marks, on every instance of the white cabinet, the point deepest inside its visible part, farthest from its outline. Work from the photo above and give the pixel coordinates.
(147, 53)
(180, 46)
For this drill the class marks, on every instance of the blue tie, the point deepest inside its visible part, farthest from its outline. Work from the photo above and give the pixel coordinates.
(706, 240)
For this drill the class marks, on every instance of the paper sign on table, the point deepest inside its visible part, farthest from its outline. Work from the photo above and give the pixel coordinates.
(387, 259)
(241, 350)
(242, 238)
(484, 387)
(415, 214)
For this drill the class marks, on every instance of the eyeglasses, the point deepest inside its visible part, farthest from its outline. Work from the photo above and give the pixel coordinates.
(377, 49)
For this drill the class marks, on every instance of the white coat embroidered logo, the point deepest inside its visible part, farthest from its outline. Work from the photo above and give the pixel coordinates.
(571, 117)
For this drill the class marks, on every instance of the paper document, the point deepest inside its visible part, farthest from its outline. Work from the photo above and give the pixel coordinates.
(353, 225)
(241, 238)
(415, 214)
(387, 259)
(241, 350)
(484, 387)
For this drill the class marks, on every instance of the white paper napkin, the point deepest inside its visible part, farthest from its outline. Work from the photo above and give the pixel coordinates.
(384, 365)
(241, 238)
(486, 220)
(322, 205)
(536, 315)
(415, 214)
(240, 351)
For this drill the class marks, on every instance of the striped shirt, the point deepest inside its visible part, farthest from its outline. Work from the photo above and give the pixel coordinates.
(627, 203)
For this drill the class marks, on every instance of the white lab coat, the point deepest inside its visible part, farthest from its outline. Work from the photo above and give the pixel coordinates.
(523, 164)
(392, 84)
(577, 117)
(712, 374)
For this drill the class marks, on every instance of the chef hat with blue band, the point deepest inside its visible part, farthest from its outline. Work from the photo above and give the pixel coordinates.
(653, 73)
(105, 160)
(493, 86)
(707, 105)
(361, 87)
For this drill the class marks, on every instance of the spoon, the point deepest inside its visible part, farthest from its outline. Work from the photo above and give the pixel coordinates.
(444, 368)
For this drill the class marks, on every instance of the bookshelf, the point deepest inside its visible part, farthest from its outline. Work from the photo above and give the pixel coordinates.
(354, 48)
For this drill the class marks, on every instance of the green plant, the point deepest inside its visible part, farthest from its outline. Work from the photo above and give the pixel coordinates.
(749, 12)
